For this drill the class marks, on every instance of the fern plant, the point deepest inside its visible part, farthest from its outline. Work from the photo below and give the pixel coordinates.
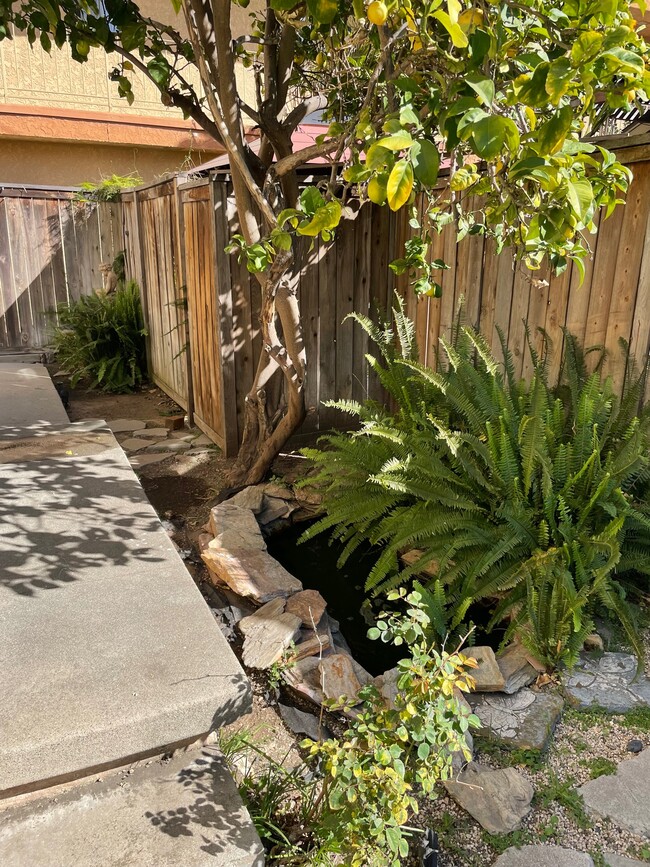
(101, 338)
(521, 495)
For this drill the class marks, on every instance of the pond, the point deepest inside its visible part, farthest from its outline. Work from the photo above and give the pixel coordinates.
(314, 563)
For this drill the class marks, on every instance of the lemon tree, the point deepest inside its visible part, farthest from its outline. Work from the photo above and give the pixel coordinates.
(459, 101)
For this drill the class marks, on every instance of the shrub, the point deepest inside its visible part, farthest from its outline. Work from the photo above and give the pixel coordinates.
(101, 338)
(520, 494)
(359, 802)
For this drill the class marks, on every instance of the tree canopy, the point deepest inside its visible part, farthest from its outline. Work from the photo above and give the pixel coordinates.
(501, 95)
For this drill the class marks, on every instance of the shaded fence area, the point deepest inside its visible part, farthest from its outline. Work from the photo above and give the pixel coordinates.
(51, 247)
(202, 306)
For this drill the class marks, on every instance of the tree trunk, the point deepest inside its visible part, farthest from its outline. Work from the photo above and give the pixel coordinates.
(267, 427)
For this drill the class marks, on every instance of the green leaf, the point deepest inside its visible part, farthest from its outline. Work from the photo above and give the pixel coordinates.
(323, 11)
(311, 200)
(377, 156)
(624, 60)
(458, 37)
(177, 5)
(159, 70)
(400, 184)
(425, 158)
(551, 135)
(492, 134)
(580, 195)
(423, 751)
(531, 89)
(398, 141)
(325, 218)
(483, 87)
(558, 79)
(586, 48)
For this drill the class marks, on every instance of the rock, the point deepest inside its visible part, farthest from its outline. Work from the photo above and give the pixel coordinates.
(202, 440)
(203, 541)
(151, 433)
(305, 678)
(251, 498)
(524, 720)
(182, 435)
(607, 682)
(339, 678)
(234, 527)
(124, 425)
(543, 856)
(133, 444)
(308, 496)
(173, 446)
(282, 492)
(488, 675)
(634, 746)
(498, 800)
(308, 605)
(174, 422)
(267, 634)
(314, 642)
(624, 798)
(274, 509)
(386, 684)
(250, 573)
(612, 860)
(594, 642)
(301, 723)
(516, 668)
(141, 460)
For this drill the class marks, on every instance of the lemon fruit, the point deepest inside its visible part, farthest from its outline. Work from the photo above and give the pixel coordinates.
(377, 12)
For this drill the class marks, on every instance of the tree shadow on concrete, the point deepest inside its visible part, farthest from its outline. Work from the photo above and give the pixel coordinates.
(62, 517)
(211, 809)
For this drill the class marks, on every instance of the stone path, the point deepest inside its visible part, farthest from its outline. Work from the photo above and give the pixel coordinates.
(147, 442)
(557, 856)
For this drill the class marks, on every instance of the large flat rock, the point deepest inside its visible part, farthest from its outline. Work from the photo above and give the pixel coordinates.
(107, 649)
(609, 681)
(524, 720)
(624, 797)
(543, 856)
(183, 812)
(28, 398)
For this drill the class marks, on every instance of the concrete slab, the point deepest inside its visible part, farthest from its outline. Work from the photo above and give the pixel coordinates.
(28, 397)
(183, 812)
(107, 649)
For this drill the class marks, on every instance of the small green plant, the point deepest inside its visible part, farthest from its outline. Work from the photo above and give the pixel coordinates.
(101, 338)
(286, 662)
(359, 809)
(563, 792)
(532, 759)
(638, 718)
(643, 853)
(500, 842)
(599, 767)
(108, 189)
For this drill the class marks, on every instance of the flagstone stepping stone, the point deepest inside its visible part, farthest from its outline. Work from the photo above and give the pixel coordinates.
(609, 682)
(498, 800)
(234, 527)
(621, 861)
(250, 573)
(309, 605)
(267, 634)
(133, 444)
(169, 446)
(125, 425)
(516, 668)
(624, 797)
(488, 675)
(141, 460)
(543, 856)
(151, 433)
(524, 720)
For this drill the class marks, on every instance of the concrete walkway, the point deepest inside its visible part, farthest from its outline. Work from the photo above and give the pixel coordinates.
(108, 652)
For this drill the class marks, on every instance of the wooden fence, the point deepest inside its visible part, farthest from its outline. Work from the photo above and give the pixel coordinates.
(50, 251)
(202, 306)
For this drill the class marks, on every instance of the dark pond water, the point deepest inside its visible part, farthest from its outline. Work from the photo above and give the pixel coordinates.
(314, 563)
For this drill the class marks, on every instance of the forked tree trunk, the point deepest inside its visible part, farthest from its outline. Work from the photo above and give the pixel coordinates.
(269, 424)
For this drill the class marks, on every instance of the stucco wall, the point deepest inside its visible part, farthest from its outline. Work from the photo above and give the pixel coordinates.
(66, 164)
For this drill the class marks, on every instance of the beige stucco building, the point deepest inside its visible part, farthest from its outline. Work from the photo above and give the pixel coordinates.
(62, 122)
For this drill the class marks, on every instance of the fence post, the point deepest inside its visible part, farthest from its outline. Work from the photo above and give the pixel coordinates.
(139, 258)
(220, 235)
(180, 233)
